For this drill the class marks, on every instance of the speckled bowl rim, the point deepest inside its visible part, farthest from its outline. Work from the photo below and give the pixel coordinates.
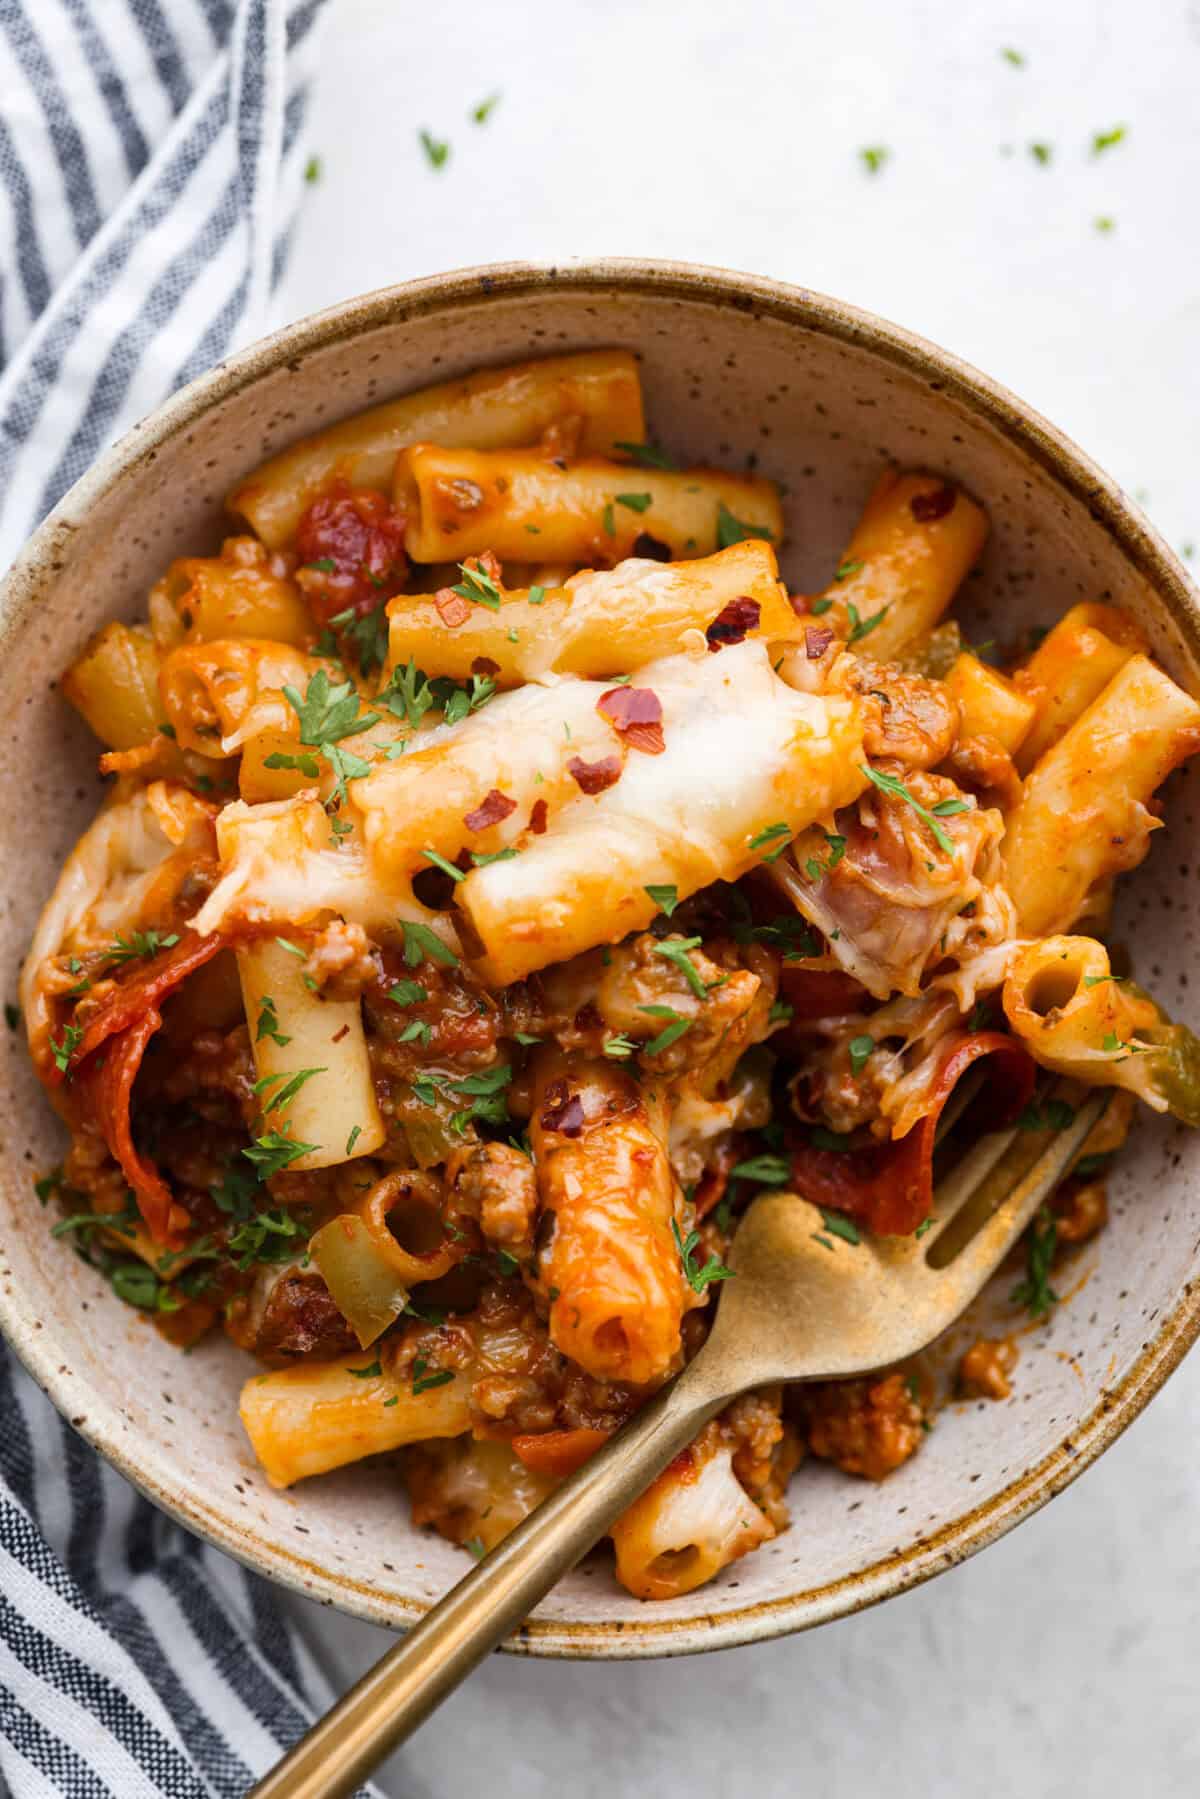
(1072, 471)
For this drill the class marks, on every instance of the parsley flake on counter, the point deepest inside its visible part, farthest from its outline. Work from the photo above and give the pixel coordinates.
(873, 157)
(482, 113)
(1106, 140)
(436, 149)
(1015, 57)
(1041, 153)
(312, 170)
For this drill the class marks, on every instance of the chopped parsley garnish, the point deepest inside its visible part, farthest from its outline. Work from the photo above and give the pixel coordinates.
(820, 607)
(422, 1382)
(536, 595)
(636, 502)
(474, 1547)
(293, 949)
(478, 586)
(820, 1138)
(353, 1138)
(619, 1048)
(125, 1222)
(666, 898)
(274, 1151)
(781, 1013)
(944, 808)
(608, 521)
(648, 455)
(407, 993)
(482, 858)
(862, 627)
(140, 943)
(874, 157)
(671, 1032)
(266, 1236)
(447, 868)
(778, 834)
(328, 713)
(814, 869)
(770, 1171)
(436, 148)
(286, 1094)
(420, 942)
(368, 1373)
(861, 1050)
(676, 950)
(410, 694)
(698, 1278)
(367, 632)
(1088, 1167)
(843, 572)
(731, 530)
(63, 1050)
(1035, 1292)
(416, 1032)
(1056, 1115)
(268, 1023)
(838, 1225)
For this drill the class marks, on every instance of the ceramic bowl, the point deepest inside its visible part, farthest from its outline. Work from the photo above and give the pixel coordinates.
(738, 371)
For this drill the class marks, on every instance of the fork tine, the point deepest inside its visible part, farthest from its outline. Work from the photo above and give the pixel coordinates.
(964, 1179)
(983, 1253)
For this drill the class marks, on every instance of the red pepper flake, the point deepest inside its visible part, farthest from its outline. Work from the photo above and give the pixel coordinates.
(653, 549)
(351, 551)
(817, 639)
(483, 665)
(799, 604)
(926, 507)
(636, 712)
(566, 1116)
(338, 1035)
(537, 818)
(594, 777)
(491, 811)
(733, 621)
(453, 609)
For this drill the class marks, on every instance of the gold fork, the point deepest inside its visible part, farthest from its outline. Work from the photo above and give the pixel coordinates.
(805, 1305)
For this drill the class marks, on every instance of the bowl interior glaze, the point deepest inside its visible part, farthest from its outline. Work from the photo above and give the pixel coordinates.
(739, 372)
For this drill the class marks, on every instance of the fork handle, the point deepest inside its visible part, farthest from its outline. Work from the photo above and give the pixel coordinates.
(396, 1696)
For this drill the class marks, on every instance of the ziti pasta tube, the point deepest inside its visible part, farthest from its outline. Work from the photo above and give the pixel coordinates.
(1070, 668)
(917, 540)
(594, 392)
(320, 1415)
(611, 1262)
(1084, 813)
(462, 502)
(310, 1054)
(599, 622)
(1079, 1019)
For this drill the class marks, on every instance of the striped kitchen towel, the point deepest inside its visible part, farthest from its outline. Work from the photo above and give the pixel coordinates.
(150, 161)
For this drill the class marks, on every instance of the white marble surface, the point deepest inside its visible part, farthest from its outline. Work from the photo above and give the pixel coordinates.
(1062, 1661)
